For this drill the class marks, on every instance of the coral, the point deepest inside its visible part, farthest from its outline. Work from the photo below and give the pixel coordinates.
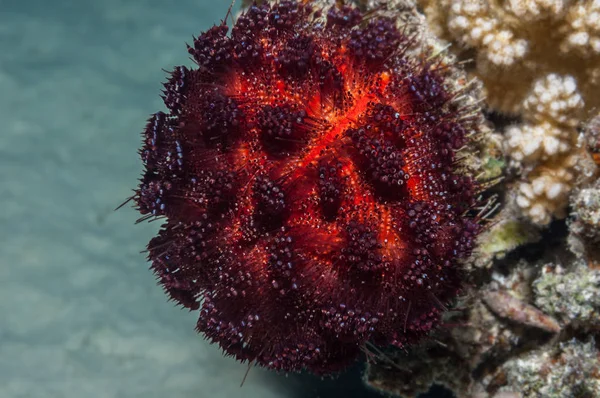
(552, 111)
(314, 177)
(538, 60)
(581, 30)
(571, 295)
(572, 369)
(546, 192)
(554, 99)
(519, 42)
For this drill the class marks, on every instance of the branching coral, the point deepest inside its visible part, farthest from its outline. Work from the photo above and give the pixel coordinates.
(581, 30)
(546, 192)
(539, 60)
(516, 42)
(545, 147)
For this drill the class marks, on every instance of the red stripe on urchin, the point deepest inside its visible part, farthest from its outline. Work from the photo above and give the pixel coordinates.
(306, 170)
(339, 125)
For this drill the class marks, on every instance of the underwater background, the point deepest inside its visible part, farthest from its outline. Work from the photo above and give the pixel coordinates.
(80, 313)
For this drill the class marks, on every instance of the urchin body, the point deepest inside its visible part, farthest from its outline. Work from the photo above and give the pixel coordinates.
(308, 175)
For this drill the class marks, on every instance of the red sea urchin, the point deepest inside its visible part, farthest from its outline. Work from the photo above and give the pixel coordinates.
(308, 174)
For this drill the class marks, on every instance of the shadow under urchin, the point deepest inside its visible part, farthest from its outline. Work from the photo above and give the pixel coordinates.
(307, 174)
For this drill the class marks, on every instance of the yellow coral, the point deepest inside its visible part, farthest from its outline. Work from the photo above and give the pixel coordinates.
(472, 23)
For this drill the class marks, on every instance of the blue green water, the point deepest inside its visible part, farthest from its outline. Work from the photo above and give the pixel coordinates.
(80, 314)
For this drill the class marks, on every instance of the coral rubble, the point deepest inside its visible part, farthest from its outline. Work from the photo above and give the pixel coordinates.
(569, 369)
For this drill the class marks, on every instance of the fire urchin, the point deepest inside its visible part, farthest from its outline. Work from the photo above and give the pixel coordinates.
(309, 176)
